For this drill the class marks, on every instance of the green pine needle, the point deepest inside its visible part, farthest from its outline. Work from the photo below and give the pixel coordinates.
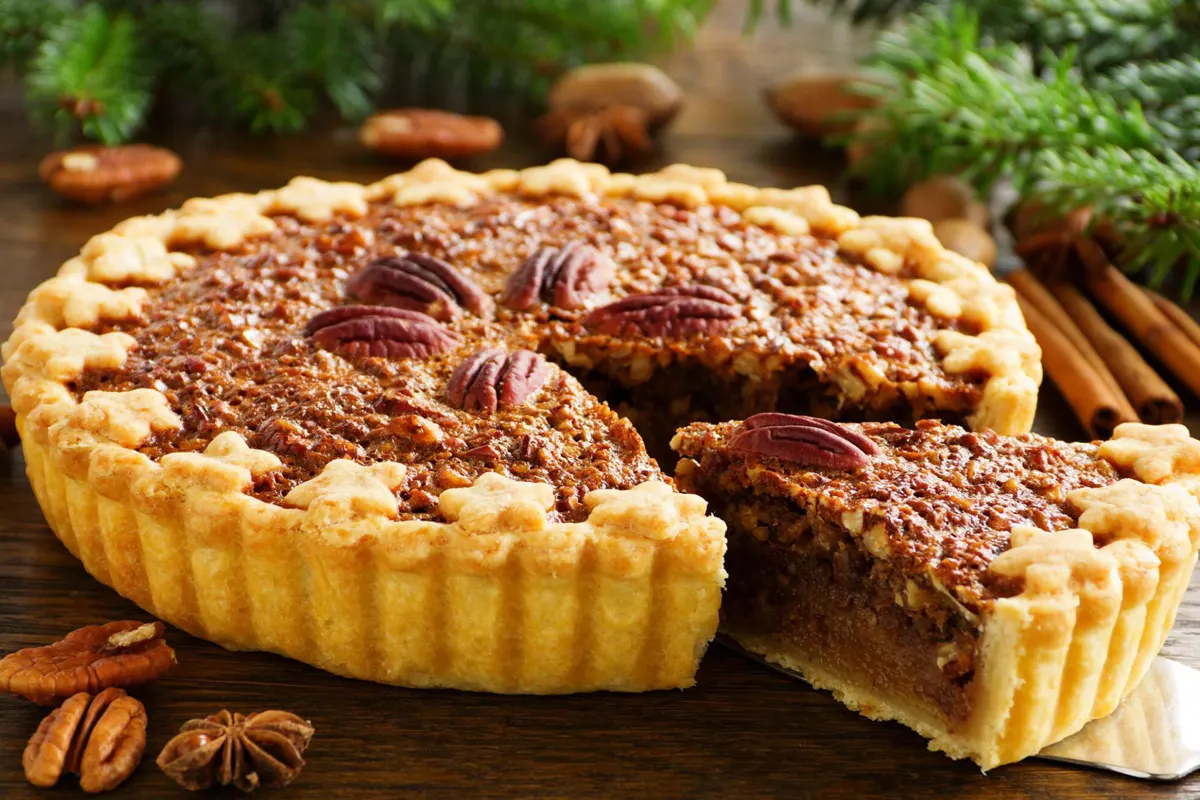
(89, 72)
(1153, 204)
(340, 52)
(951, 104)
(24, 25)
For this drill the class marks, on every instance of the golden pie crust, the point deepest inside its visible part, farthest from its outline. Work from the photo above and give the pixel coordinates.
(497, 597)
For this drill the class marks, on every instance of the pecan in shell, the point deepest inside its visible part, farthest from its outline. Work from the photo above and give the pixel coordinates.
(263, 749)
(380, 332)
(124, 653)
(807, 441)
(675, 312)
(491, 378)
(561, 276)
(101, 739)
(419, 282)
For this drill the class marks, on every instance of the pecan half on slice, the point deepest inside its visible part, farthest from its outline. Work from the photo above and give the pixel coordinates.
(263, 749)
(675, 312)
(419, 282)
(126, 653)
(492, 378)
(101, 739)
(561, 276)
(380, 332)
(807, 441)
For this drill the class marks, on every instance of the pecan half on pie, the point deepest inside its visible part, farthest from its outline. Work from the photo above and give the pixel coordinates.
(390, 429)
(994, 593)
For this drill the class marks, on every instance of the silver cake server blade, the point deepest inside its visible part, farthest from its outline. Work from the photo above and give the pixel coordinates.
(1154, 735)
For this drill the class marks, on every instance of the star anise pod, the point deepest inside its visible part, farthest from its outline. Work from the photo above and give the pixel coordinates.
(609, 135)
(262, 749)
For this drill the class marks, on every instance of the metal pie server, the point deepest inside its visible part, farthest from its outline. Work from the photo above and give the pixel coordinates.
(1154, 735)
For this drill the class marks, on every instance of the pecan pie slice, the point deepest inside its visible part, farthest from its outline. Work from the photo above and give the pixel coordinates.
(993, 593)
(349, 423)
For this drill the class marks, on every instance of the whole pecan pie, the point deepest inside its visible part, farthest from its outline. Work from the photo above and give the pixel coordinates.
(390, 429)
(994, 593)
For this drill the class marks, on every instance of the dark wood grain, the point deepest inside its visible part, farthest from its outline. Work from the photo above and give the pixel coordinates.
(743, 731)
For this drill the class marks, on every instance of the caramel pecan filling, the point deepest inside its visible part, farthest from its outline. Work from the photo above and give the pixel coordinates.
(341, 339)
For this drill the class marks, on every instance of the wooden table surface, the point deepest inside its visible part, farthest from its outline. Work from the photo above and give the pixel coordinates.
(742, 731)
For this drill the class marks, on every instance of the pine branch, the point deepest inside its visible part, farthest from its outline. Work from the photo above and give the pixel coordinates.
(264, 62)
(949, 103)
(1152, 203)
(90, 72)
(24, 24)
(1169, 91)
(340, 52)
(239, 76)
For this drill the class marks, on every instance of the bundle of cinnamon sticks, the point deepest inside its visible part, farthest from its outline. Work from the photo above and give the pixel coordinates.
(1100, 373)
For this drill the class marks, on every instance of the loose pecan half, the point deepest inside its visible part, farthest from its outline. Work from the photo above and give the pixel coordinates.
(492, 378)
(674, 312)
(807, 441)
(380, 331)
(419, 282)
(562, 276)
(425, 133)
(98, 174)
(101, 739)
(263, 749)
(124, 653)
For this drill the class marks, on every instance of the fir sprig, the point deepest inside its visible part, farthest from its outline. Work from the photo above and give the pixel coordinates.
(949, 103)
(269, 63)
(90, 71)
(1074, 132)
(1152, 204)
(24, 24)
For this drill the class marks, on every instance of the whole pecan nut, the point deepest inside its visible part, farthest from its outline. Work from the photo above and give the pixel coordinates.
(491, 378)
(263, 749)
(562, 276)
(126, 653)
(425, 133)
(98, 174)
(100, 738)
(674, 312)
(419, 282)
(807, 441)
(380, 332)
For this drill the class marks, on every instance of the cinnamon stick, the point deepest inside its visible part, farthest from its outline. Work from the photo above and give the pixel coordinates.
(1033, 290)
(1150, 395)
(1094, 402)
(1182, 319)
(1138, 313)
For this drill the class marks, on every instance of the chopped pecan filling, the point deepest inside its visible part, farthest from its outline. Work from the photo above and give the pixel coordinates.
(933, 507)
(275, 340)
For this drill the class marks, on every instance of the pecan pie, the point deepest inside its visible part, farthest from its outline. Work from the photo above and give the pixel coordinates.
(349, 423)
(994, 593)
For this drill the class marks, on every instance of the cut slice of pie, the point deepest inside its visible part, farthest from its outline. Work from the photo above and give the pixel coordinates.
(993, 593)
